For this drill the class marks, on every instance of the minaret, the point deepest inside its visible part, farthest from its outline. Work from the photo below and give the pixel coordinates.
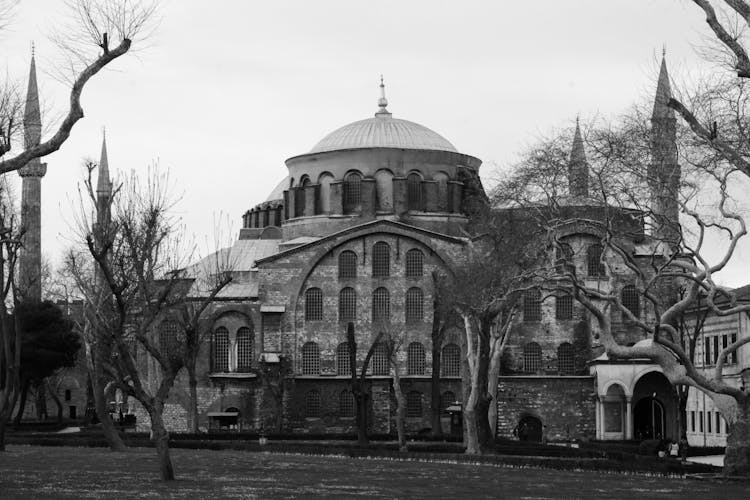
(664, 169)
(103, 186)
(578, 167)
(30, 262)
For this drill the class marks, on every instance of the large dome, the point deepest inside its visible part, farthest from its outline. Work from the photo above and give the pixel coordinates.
(383, 131)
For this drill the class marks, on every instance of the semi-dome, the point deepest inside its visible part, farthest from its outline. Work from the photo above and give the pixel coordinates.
(383, 131)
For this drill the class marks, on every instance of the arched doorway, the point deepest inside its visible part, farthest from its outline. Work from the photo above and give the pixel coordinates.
(648, 419)
(655, 408)
(530, 429)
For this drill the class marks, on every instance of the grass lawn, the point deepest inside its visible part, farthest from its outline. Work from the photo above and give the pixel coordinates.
(67, 472)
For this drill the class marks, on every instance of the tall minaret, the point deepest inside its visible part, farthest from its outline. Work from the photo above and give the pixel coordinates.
(30, 265)
(664, 169)
(103, 187)
(578, 167)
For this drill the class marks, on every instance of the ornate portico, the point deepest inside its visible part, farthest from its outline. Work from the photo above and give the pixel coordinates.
(634, 400)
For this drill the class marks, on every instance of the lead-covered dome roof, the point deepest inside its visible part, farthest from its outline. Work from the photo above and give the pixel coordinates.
(383, 131)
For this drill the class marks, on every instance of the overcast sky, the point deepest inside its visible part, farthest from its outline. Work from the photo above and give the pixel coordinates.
(228, 90)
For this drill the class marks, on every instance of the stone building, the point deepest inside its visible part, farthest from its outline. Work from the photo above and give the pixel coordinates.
(352, 234)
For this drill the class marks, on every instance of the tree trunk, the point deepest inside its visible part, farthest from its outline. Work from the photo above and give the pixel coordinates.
(2, 433)
(22, 402)
(435, 410)
(361, 402)
(58, 403)
(41, 402)
(484, 399)
(193, 404)
(100, 404)
(161, 442)
(737, 457)
(682, 392)
(400, 412)
(494, 374)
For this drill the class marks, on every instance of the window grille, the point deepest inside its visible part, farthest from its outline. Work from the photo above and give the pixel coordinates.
(446, 399)
(342, 359)
(532, 357)
(379, 360)
(451, 361)
(346, 404)
(629, 298)
(381, 260)
(352, 193)
(565, 359)
(564, 307)
(414, 191)
(347, 304)
(414, 263)
(312, 404)
(244, 349)
(415, 359)
(414, 404)
(347, 265)
(221, 350)
(594, 261)
(564, 258)
(414, 305)
(381, 305)
(310, 359)
(532, 305)
(168, 344)
(313, 304)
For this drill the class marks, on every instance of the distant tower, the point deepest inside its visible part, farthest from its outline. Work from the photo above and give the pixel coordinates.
(103, 187)
(578, 167)
(30, 262)
(664, 169)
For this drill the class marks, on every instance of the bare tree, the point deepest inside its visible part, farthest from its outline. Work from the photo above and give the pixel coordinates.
(358, 381)
(100, 31)
(393, 342)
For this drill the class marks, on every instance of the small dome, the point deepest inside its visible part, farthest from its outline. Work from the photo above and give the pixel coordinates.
(383, 131)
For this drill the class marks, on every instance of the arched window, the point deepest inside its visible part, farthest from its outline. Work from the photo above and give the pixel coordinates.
(352, 192)
(346, 404)
(342, 359)
(415, 359)
(379, 361)
(312, 404)
(532, 357)
(532, 305)
(381, 305)
(594, 261)
(564, 307)
(384, 190)
(310, 359)
(414, 263)
(299, 201)
(381, 260)
(244, 349)
(451, 361)
(414, 404)
(446, 399)
(442, 191)
(564, 258)
(414, 191)
(565, 359)
(629, 298)
(221, 350)
(347, 265)
(347, 304)
(325, 180)
(313, 304)
(168, 343)
(414, 305)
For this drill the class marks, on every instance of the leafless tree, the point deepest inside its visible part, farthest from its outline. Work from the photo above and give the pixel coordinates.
(358, 381)
(393, 342)
(99, 32)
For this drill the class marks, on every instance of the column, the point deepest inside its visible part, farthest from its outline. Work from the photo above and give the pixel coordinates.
(600, 425)
(629, 417)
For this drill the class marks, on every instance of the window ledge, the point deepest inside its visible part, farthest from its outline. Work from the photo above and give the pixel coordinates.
(235, 375)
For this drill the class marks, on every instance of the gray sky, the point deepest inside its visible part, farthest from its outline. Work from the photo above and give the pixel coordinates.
(227, 90)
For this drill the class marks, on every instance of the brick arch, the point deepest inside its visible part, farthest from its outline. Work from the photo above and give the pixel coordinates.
(628, 391)
(333, 250)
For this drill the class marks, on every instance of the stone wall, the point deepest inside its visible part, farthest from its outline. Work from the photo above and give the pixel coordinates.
(566, 405)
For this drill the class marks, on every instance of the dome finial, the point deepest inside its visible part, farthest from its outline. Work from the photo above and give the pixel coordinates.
(382, 102)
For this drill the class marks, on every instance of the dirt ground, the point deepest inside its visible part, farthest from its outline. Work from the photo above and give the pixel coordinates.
(67, 472)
